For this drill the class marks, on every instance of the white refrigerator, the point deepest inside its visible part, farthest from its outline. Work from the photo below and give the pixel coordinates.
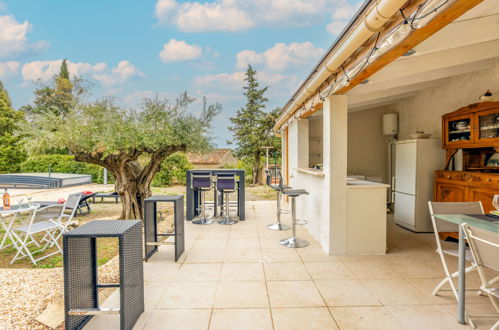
(415, 164)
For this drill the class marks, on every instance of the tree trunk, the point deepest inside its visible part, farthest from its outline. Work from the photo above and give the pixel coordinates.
(256, 170)
(133, 183)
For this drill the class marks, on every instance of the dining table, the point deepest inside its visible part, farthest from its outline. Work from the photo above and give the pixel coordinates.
(483, 221)
(8, 217)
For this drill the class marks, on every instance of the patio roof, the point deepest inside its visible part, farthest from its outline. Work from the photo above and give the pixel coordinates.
(362, 50)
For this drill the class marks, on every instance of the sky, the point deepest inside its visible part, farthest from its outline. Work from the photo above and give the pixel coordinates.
(130, 50)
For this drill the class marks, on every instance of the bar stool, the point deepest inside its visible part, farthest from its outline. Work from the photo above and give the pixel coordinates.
(226, 184)
(277, 188)
(293, 241)
(201, 182)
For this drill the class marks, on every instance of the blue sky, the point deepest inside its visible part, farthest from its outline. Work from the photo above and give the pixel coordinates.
(136, 49)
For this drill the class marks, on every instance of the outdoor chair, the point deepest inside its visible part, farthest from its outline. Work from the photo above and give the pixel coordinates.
(72, 205)
(484, 247)
(44, 220)
(201, 183)
(226, 184)
(278, 189)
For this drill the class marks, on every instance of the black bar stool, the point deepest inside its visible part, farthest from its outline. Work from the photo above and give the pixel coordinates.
(293, 241)
(226, 184)
(201, 182)
(278, 189)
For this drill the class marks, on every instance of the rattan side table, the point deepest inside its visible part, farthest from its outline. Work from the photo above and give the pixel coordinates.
(151, 234)
(80, 272)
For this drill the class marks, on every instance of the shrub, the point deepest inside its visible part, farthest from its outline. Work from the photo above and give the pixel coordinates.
(62, 164)
(172, 170)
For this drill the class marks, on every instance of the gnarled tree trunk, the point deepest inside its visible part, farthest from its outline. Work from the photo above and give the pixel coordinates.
(133, 182)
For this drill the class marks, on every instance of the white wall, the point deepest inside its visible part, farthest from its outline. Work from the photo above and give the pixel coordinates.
(367, 146)
(424, 111)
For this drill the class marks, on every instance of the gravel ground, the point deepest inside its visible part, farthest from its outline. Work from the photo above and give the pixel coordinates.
(26, 293)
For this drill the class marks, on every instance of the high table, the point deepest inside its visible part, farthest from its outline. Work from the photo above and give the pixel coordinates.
(479, 221)
(81, 298)
(192, 199)
(151, 234)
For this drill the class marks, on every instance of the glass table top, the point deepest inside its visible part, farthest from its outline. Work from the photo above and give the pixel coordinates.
(490, 225)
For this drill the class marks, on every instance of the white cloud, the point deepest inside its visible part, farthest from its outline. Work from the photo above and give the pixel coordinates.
(9, 68)
(119, 75)
(341, 16)
(13, 38)
(281, 57)
(235, 80)
(44, 70)
(238, 15)
(179, 50)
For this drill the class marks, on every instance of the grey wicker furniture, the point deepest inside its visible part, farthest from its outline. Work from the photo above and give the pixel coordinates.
(151, 234)
(193, 197)
(80, 272)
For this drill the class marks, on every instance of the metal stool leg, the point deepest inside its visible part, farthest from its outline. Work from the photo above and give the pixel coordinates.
(227, 220)
(278, 225)
(202, 217)
(293, 241)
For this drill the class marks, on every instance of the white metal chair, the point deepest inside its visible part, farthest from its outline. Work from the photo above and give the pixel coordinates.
(44, 220)
(71, 207)
(444, 226)
(484, 247)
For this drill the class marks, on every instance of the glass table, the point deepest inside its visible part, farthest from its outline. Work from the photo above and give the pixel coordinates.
(9, 217)
(480, 221)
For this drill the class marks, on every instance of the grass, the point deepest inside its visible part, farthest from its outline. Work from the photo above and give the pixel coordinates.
(108, 247)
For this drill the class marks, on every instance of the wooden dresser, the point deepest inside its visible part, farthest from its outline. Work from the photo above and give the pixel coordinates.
(475, 130)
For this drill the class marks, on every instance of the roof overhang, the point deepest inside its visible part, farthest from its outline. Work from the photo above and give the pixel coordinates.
(356, 56)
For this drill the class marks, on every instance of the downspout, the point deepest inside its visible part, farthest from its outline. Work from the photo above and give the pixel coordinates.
(374, 20)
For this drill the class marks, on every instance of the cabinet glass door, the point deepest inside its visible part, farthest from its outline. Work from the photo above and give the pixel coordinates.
(488, 125)
(459, 130)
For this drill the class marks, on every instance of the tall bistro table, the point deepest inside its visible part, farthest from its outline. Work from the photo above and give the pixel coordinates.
(81, 285)
(192, 198)
(151, 224)
(474, 220)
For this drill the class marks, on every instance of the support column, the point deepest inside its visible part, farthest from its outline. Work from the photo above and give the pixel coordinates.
(335, 169)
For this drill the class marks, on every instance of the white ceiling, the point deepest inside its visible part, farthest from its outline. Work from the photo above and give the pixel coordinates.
(471, 43)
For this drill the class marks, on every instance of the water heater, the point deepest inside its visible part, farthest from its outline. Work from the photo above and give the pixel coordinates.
(390, 124)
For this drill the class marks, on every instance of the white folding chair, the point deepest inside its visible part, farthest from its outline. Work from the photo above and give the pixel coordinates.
(43, 220)
(444, 226)
(71, 207)
(484, 247)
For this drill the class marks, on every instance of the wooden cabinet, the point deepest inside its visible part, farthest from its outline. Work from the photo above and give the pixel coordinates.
(451, 186)
(473, 126)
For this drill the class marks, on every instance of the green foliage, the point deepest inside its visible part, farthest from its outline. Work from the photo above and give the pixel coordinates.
(61, 164)
(172, 171)
(59, 96)
(252, 126)
(11, 150)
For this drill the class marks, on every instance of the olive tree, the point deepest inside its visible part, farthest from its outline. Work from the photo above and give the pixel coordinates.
(131, 144)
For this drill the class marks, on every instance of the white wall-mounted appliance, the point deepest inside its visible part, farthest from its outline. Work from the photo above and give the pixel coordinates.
(415, 164)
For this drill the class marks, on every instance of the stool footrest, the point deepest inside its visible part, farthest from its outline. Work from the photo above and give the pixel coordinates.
(160, 243)
(93, 311)
(172, 234)
(109, 285)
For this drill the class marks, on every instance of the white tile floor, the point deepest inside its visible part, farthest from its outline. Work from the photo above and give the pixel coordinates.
(239, 277)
